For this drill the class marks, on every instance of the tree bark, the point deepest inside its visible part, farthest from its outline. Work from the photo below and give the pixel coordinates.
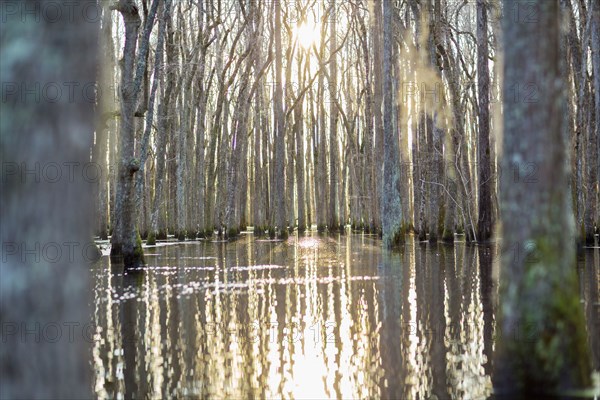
(334, 218)
(156, 230)
(484, 224)
(279, 222)
(379, 133)
(158, 77)
(41, 291)
(391, 209)
(543, 346)
(593, 133)
(300, 158)
(126, 243)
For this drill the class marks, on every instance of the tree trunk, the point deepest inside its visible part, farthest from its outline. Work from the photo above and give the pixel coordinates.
(41, 293)
(158, 230)
(368, 168)
(391, 209)
(300, 162)
(592, 166)
(126, 244)
(158, 77)
(279, 222)
(543, 346)
(106, 107)
(334, 219)
(484, 223)
(378, 100)
(321, 175)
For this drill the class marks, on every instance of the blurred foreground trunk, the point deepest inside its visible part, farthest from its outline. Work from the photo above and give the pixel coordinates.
(543, 345)
(47, 183)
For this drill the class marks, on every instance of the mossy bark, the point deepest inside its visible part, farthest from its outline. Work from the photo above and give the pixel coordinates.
(151, 241)
(542, 347)
(391, 209)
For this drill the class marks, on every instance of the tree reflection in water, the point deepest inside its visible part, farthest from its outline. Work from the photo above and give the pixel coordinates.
(314, 317)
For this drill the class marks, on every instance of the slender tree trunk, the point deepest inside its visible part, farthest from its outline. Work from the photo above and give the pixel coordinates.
(223, 162)
(239, 150)
(334, 219)
(367, 215)
(422, 171)
(107, 107)
(435, 135)
(279, 156)
(300, 162)
(375, 224)
(321, 175)
(258, 194)
(592, 166)
(484, 225)
(158, 77)
(391, 209)
(581, 127)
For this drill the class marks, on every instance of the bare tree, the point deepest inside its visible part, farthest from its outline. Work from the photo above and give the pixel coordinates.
(391, 209)
(126, 243)
(484, 225)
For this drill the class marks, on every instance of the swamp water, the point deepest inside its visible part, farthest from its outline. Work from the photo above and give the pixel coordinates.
(313, 317)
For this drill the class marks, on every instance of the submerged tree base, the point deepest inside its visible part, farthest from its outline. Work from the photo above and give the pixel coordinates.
(590, 239)
(544, 342)
(448, 236)
(130, 258)
(283, 234)
(232, 233)
(161, 235)
(151, 240)
(397, 237)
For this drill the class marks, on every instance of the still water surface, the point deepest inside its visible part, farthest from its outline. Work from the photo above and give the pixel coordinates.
(313, 317)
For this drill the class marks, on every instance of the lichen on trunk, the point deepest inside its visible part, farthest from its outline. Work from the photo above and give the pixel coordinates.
(542, 346)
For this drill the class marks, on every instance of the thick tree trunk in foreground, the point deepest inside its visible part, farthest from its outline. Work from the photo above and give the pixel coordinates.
(46, 224)
(391, 209)
(539, 290)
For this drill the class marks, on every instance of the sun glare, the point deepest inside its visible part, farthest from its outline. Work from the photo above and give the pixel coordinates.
(307, 34)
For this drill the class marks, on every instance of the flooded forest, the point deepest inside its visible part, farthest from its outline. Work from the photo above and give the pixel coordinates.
(300, 199)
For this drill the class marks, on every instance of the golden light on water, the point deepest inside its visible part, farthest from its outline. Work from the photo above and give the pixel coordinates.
(313, 317)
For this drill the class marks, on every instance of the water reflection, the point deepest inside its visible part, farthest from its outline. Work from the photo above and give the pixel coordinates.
(315, 317)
